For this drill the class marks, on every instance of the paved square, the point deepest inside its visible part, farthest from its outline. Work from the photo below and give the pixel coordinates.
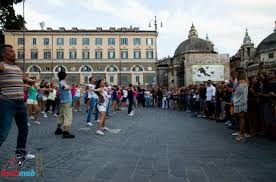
(152, 146)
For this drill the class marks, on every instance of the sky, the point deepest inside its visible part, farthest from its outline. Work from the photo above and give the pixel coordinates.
(225, 21)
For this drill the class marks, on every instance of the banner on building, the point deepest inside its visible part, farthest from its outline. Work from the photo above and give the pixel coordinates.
(208, 72)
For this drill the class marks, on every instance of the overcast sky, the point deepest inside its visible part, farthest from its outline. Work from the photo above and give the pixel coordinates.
(225, 21)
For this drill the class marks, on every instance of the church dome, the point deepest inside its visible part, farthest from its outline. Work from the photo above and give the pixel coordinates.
(194, 44)
(268, 43)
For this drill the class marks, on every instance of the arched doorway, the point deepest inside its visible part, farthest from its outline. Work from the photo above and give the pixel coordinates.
(85, 74)
(59, 69)
(112, 75)
(34, 71)
(137, 75)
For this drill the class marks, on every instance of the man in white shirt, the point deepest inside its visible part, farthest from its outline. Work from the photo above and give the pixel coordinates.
(210, 98)
(93, 102)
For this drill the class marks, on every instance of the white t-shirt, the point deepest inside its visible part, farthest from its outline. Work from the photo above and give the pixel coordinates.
(210, 92)
(124, 93)
(78, 93)
(91, 93)
(52, 95)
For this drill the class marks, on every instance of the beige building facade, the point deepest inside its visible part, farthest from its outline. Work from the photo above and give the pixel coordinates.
(121, 56)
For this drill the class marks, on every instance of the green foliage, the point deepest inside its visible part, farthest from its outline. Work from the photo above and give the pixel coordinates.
(8, 19)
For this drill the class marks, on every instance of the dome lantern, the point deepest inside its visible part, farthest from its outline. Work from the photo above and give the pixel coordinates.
(193, 32)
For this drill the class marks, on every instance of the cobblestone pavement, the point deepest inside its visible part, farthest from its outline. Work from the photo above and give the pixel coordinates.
(152, 146)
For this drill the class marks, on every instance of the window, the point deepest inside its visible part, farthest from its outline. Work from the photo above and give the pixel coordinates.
(46, 41)
(137, 41)
(60, 54)
(99, 41)
(111, 79)
(137, 79)
(271, 55)
(86, 69)
(124, 41)
(34, 54)
(85, 54)
(47, 54)
(124, 54)
(34, 41)
(73, 41)
(149, 41)
(20, 41)
(111, 54)
(60, 41)
(149, 54)
(47, 69)
(73, 54)
(98, 54)
(20, 54)
(85, 41)
(111, 41)
(137, 54)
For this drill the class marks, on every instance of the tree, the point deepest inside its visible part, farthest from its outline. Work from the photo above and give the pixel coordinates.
(8, 19)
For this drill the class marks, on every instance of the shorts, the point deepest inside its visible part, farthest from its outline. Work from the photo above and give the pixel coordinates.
(102, 108)
(31, 102)
(124, 99)
(76, 98)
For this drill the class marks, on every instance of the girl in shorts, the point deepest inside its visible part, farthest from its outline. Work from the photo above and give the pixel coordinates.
(32, 103)
(102, 106)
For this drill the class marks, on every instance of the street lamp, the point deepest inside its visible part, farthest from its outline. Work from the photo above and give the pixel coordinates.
(24, 36)
(155, 23)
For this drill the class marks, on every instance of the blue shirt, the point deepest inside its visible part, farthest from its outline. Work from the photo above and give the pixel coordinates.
(65, 95)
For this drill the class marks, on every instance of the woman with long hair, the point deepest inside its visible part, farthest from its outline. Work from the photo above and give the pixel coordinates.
(240, 103)
(102, 106)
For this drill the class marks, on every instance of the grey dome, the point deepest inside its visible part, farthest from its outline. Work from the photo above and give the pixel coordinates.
(194, 44)
(268, 43)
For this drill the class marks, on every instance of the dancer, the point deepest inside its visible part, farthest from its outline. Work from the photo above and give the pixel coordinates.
(102, 106)
(65, 116)
(93, 103)
(11, 101)
(32, 103)
(130, 97)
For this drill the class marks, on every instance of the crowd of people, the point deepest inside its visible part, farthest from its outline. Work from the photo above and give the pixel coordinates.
(245, 104)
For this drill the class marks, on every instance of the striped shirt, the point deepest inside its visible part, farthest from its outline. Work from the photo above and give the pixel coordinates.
(11, 82)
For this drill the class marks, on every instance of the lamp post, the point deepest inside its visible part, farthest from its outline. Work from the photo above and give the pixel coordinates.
(24, 36)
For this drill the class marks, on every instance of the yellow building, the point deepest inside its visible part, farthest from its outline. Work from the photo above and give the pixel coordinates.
(119, 55)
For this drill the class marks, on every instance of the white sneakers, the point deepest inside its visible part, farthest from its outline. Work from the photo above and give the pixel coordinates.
(131, 113)
(37, 122)
(106, 129)
(31, 117)
(29, 124)
(99, 132)
(97, 121)
(45, 115)
(89, 124)
(30, 156)
(236, 134)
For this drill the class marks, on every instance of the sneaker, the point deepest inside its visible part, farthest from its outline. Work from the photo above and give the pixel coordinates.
(58, 131)
(22, 157)
(248, 135)
(106, 117)
(227, 122)
(89, 124)
(45, 115)
(75, 110)
(131, 114)
(37, 122)
(29, 124)
(240, 139)
(30, 156)
(31, 117)
(106, 129)
(43, 112)
(66, 134)
(97, 121)
(236, 134)
(55, 115)
(99, 132)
